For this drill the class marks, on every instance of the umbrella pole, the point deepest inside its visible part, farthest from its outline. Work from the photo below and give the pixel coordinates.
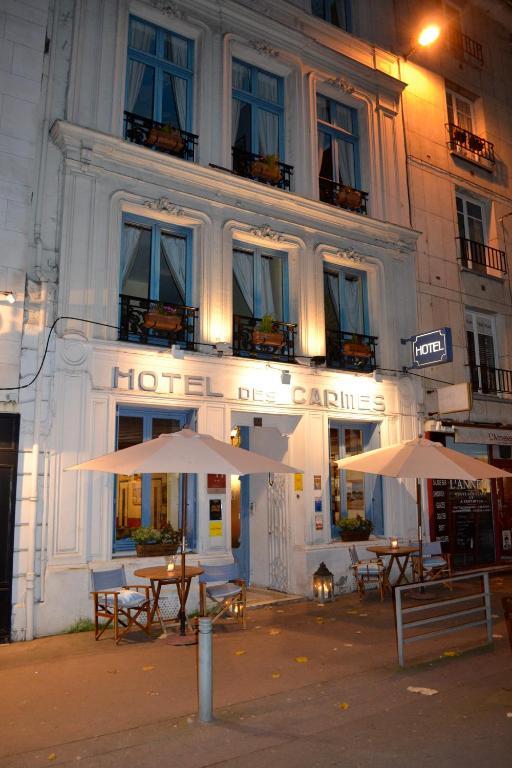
(184, 502)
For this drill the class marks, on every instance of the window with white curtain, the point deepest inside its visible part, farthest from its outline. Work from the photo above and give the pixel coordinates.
(155, 262)
(345, 300)
(159, 75)
(336, 12)
(460, 111)
(257, 110)
(338, 142)
(482, 347)
(259, 283)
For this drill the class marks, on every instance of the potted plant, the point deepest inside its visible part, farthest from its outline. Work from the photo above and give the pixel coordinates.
(150, 542)
(163, 317)
(265, 334)
(348, 197)
(459, 136)
(356, 348)
(354, 528)
(267, 169)
(476, 144)
(166, 137)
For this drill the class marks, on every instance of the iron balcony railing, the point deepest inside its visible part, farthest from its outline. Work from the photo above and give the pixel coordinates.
(277, 344)
(159, 136)
(461, 139)
(481, 257)
(342, 195)
(461, 45)
(262, 168)
(490, 381)
(350, 351)
(143, 321)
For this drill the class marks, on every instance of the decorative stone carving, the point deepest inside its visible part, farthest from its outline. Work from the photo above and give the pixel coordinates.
(351, 255)
(341, 84)
(164, 204)
(267, 232)
(264, 48)
(169, 9)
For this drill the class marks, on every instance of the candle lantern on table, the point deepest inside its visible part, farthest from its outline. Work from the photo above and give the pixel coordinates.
(323, 584)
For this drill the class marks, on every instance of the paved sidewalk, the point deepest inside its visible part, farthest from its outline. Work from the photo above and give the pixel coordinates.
(305, 685)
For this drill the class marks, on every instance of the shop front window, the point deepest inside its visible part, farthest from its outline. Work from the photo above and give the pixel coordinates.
(152, 500)
(352, 493)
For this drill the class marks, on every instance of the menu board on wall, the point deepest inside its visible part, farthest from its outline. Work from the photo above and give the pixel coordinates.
(462, 512)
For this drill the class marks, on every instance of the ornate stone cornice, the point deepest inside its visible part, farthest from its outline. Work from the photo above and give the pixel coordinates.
(169, 9)
(164, 204)
(267, 232)
(264, 48)
(351, 255)
(341, 84)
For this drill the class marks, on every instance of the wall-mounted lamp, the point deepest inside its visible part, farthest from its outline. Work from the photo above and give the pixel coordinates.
(8, 296)
(286, 377)
(428, 35)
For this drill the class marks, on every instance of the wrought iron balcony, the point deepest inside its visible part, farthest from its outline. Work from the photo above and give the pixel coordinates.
(342, 196)
(480, 257)
(470, 146)
(150, 322)
(262, 168)
(490, 381)
(159, 136)
(277, 344)
(461, 45)
(350, 351)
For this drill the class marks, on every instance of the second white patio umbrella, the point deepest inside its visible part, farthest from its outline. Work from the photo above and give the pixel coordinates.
(185, 452)
(424, 460)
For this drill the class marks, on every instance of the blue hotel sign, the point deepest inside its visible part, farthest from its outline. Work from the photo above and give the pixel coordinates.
(432, 348)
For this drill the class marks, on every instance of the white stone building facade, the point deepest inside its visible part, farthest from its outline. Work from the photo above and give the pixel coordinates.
(122, 225)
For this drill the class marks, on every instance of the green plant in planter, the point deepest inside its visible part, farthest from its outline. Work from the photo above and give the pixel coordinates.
(266, 324)
(146, 535)
(355, 525)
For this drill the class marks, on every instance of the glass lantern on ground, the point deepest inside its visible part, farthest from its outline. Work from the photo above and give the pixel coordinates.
(323, 584)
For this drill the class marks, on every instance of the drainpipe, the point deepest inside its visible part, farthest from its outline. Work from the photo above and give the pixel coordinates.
(33, 499)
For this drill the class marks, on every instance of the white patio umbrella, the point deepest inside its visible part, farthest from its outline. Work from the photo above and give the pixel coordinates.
(424, 460)
(185, 452)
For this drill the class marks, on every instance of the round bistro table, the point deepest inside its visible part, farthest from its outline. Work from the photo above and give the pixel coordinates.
(399, 555)
(159, 576)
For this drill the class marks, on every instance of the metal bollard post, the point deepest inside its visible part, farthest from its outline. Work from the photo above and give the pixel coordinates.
(205, 670)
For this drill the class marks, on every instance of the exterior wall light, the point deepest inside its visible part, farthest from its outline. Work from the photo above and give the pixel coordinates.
(8, 296)
(323, 584)
(428, 35)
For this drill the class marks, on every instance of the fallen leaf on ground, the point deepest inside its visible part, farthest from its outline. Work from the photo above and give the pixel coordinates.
(52, 756)
(343, 705)
(320, 619)
(363, 614)
(112, 671)
(275, 675)
(497, 637)
(424, 691)
(153, 693)
(353, 612)
(509, 714)
(451, 653)
(348, 645)
(301, 659)
(240, 653)
(274, 632)
(148, 668)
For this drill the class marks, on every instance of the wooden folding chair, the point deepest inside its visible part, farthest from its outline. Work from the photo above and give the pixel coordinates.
(119, 603)
(367, 572)
(222, 585)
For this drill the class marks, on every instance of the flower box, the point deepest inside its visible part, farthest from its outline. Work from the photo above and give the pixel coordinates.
(270, 172)
(268, 338)
(356, 349)
(156, 550)
(162, 321)
(349, 198)
(476, 144)
(355, 535)
(168, 139)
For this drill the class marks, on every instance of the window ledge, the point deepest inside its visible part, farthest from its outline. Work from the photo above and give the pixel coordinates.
(497, 278)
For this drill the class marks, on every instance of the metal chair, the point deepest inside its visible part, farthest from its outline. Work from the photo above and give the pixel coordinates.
(120, 603)
(369, 571)
(435, 565)
(224, 587)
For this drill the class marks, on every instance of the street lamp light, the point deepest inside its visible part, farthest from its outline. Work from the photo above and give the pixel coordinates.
(428, 35)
